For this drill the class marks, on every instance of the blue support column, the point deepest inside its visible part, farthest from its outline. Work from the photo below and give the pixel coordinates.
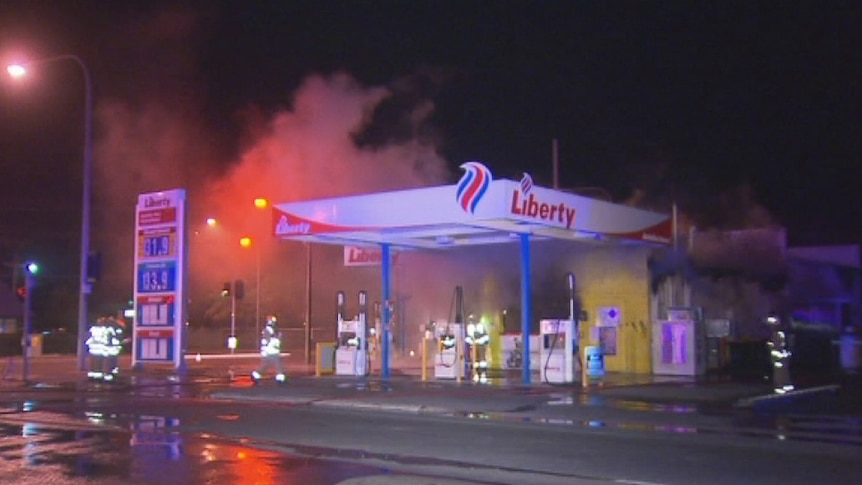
(387, 312)
(525, 304)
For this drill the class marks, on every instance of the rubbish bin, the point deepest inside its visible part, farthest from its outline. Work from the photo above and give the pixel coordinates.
(35, 345)
(594, 356)
(850, 346)
(325, 358)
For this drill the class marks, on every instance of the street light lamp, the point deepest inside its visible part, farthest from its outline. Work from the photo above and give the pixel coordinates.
(19, 70)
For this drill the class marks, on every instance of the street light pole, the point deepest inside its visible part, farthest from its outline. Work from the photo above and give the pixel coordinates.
(260, 203)
(233, 316)
(257, 290)
(84, 286)
(27, 339)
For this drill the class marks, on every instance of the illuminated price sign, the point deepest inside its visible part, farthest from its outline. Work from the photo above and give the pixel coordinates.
(157, 243)
(156, 311)
(157, 277)
(160, 272)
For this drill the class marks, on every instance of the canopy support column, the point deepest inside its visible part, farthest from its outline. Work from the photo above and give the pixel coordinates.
(525, 305)
(386, 265)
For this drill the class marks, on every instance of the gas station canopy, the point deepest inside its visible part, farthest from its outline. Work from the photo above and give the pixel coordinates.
(477, 210)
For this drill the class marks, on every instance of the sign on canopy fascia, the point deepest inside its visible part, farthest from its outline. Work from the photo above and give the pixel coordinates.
(475, 202)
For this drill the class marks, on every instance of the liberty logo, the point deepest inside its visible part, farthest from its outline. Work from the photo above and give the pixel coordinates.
(285, 227)
(528, 204)
(526, 183)
(473, 185)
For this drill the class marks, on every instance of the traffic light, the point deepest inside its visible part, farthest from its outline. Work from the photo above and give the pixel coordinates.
(94, 266)
(21, 291)
(239, 289)
(32, 268)
(225, 290)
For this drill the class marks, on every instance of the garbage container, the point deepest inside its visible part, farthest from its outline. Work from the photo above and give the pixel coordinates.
(595, 361)
(850, 346)
(325, 358)
(35, 345)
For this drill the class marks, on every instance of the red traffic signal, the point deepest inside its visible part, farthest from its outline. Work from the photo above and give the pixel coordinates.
(22, 292)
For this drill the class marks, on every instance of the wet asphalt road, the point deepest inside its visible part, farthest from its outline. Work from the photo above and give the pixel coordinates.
(109, 434)
(154, 431)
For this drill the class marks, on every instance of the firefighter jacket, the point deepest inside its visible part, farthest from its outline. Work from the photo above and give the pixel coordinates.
(270, 342)
(97, 340)
(114, 337)
(477, 334)
(105, 339)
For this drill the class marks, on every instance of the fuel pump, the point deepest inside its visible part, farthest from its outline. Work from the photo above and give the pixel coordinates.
(557, 353)
(450, 345)
(362, 367)
(449, 361)
(351, 355)
(340, 306)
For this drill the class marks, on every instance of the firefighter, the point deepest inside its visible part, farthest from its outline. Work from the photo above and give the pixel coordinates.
(478, 339)
(96, 346)
(114, 338)
(270, 351)
(779, 355)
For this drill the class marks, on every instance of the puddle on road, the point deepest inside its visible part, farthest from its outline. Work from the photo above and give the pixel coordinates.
(580, 399)
(372, 386)
(100, 449)
(799, 428)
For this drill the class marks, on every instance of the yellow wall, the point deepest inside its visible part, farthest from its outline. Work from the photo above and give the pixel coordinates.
(617, 277)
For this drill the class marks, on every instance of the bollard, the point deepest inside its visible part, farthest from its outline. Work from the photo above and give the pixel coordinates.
(424, 359)
(459, 359)
(317, 353)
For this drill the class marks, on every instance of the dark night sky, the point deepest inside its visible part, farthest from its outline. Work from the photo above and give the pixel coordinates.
(686, 100)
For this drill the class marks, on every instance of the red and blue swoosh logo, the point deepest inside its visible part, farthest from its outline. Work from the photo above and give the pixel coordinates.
(473, 185)
(526, 184)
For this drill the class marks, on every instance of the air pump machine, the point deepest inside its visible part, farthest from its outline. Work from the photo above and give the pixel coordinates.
(559, 345)
(351, 355)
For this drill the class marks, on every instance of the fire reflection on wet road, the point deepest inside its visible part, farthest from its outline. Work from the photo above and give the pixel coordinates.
(50, 448)
(161, 431)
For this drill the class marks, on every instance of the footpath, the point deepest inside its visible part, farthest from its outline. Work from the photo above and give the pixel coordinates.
(404, 391)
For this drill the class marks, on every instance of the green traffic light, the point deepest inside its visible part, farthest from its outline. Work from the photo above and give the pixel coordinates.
(33, 268)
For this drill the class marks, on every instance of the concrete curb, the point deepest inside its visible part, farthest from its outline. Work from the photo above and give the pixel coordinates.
(752, 401)
(373, 406)
(266, 397)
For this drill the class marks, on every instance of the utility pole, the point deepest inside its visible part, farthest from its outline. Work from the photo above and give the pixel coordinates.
(555, 162)
(26, 339)
(233, 316)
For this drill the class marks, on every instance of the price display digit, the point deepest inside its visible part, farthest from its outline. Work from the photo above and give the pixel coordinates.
(156, 277)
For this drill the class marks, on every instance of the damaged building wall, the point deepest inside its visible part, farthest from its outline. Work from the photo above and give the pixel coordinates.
(613, 287)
